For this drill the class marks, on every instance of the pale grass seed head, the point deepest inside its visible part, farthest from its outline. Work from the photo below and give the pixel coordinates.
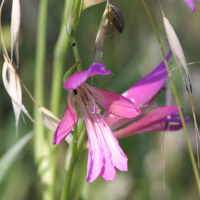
(15, 29)
(13, 88)
(101, 37)
(177, 51)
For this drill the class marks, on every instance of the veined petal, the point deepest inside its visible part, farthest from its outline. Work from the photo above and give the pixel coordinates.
(119, 159)
(191, 5)
(108, 171)
(80, 77)
(150, 119)
(95, 156)
(67, 122)
(115, 104)
(104, 151)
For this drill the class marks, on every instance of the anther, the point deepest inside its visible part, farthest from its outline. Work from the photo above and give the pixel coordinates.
(75, 92)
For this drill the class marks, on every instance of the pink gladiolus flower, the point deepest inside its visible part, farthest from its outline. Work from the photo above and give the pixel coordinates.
(143, 93)
(104, 151)
(190, 3)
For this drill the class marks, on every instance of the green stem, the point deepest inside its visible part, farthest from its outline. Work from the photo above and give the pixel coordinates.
(75, 50)
(177, 100)
(60, 50)
(69, 165)
(73, 153)
(82, 169)
(41, 148)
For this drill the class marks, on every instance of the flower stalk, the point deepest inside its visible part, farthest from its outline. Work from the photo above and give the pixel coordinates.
(70, 161)
(42, 149)
(74, 45)
(196, 173)
(72, 155)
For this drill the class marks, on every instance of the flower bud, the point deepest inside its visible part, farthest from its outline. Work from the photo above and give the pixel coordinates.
(177, 51)
(73, 15)
(101, 37)
(15, 28)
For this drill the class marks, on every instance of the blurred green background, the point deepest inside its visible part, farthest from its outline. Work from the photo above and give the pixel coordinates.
(130, 55)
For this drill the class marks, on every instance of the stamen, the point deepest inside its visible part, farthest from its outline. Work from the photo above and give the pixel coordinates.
(84, 96)
(88, 90)
(87, 98)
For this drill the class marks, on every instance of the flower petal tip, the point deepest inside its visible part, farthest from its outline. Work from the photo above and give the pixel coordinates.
(80, 77)
(191, 5)
(98, 68)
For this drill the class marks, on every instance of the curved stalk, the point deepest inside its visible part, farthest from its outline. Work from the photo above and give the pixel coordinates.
(60, 50)
(196, 173)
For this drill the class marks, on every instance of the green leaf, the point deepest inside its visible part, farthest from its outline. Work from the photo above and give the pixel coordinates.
(70, 71)
(9, 157)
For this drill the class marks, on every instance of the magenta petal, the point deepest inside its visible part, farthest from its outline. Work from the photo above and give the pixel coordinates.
(115, 104)
(119, 159)
(98, 68)
(150, 119)
(66, 124)
(191, 5)
(108, 171)
(95, 157)
(161, 127)
(146, 88)
(76, 80)
(80, 77)
(143, 92)
(104, 151)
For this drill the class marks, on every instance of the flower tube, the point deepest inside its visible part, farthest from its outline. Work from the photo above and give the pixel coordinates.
(160, 119)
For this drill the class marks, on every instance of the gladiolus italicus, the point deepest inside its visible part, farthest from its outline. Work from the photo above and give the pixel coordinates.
(190, 3)
(143, 93)
(104, 151)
